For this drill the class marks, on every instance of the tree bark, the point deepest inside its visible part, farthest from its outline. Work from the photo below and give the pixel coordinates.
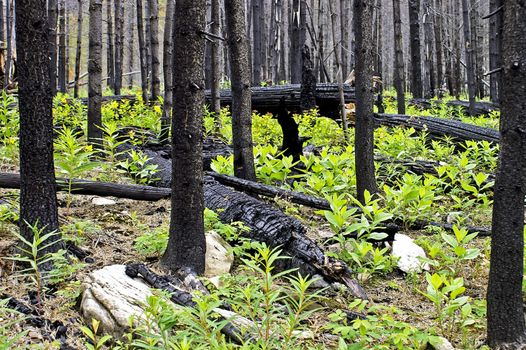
(468, 47)
(506, 326)
(186, 244)
(78, 53)
(38, 200)
(364, 129)
(295, 43)
(167, 71)
(142, 52)
(399, 75)
(154, 39)
(95, 73)
(119, 45)
(62, 59)
(416, 57)
(495, 49)
(257, 33)
(52, 19)
(439, 24)
(241, 94)
(430, 82)
(110, 56)
(215, 59)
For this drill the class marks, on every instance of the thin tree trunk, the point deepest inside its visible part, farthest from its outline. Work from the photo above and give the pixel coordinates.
(154, 39)
(142, 52)
(131, 44)
(284, 39)
(119, 45)
(478, 58)
(62, 47)
(429, 90)
(241, 95)
(9, 48)
(344, 35)
(148, 39)
(343, 112)
(399, 75)
(364, 130)
(216, 59)
(52, 19)
(295, 43)
(257, 33)
(506, 326)
(439, 24)
(110, 58)
(167, 70)
(495, 58)
(470, 67)
(95, 73)
(186, 244)
(416, 57)
(78, 54)
(38, 200)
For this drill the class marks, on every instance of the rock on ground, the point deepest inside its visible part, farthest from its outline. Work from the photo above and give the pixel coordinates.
(408, 253)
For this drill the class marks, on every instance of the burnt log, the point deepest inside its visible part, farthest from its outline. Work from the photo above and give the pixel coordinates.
(480, 108)
(439, 127)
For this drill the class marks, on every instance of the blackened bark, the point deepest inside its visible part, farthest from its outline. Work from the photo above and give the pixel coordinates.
(186, 244)
(399, 75)
(241, 94)
(429, 68)
(142, 52)
(52, 13)
(495, 48)
(308, 82)
(215, 59)
(38, 200)
(364, 134)
(344, 35)
(439, 23)
(154, 40)
(468, 47)
(110, 56)
(506, 324)
(257, 34)
(79, 50)
(62, 60)
(414, 39)
(167, 70)
(95, 73)
(119, 45)
(284, 38)
(295, 43)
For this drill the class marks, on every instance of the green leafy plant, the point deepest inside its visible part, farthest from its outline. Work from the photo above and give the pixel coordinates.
(9, 339)
(94, 341)
(138, 167)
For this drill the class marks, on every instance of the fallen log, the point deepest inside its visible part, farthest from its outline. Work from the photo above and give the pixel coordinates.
(481, 107)
(440, 127)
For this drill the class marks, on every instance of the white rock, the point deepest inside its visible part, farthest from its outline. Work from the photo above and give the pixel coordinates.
(408, 252)
(111, 297)
(102, 201)
(440, 343)
(219, 257)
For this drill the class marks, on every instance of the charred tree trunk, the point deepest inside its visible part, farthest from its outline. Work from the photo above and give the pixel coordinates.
(468, 47)
(186, 244)
(439, 25)
(62, 78)
(495, 48)
(95, 73)
(416, 57)
(295, 43)
(257, 34)
(110, 58)
(399, 75)
(142, 52)
(430, 82)
(215, 59)
(154, 40)
(52, 19)
(364, 129)
(78, 53)
(119, 45)
(506, 326)
(38, 200)
(241, 94)
(167, 71)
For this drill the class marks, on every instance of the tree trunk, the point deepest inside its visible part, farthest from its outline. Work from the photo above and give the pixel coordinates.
(468, 47)
(506, 327)
(295, 43)
(364, 129)
(284, 39)
(241, 94)
(186, 244)
(416, 57)
(119, 45)
(52, 19)
(38, 200)
(478, 57)
(439, 25)
(344, 35)
(429, 90)
(132, 22)
(216, 59)
(399, 75)
(142, 52)
(495, 47)
(110, 58)
(95, 73)
(257, 33)
(62, 78)
(167, 71)
(78, 54)
(154, 39)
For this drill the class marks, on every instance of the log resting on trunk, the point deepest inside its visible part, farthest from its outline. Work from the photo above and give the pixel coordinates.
(481, 107)
(440, 127)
